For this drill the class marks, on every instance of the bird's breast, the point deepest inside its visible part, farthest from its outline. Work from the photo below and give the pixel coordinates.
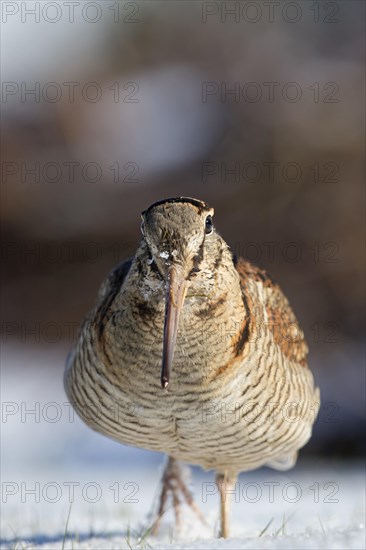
(220, 405)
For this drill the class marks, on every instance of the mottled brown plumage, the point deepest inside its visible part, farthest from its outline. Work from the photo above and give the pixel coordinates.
(193, 353)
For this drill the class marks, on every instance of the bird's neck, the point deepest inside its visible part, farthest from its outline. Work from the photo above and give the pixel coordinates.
(212, 322)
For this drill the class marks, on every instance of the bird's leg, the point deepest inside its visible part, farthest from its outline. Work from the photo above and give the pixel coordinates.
(225, 485)
(174, 485)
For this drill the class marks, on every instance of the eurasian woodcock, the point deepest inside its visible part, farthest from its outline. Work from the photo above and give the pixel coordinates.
(194, 353)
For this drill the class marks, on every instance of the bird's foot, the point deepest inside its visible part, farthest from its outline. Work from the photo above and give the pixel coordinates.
(175, 486)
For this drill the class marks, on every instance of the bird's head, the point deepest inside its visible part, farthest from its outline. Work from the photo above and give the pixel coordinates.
(182, 244)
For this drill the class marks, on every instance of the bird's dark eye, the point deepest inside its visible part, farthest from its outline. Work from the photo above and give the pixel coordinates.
(208, 225)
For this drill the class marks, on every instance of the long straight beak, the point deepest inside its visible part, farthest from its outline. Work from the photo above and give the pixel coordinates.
(175, 294)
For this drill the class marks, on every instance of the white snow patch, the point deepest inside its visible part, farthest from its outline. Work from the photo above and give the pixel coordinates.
(114, 487)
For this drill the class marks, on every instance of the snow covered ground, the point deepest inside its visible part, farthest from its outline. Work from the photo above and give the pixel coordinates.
(308, 508)
(64, 486)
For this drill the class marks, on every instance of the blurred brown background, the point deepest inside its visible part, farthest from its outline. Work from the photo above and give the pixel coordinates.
(256, 108)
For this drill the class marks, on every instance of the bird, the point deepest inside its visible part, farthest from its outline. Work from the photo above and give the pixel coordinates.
(196, 353)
